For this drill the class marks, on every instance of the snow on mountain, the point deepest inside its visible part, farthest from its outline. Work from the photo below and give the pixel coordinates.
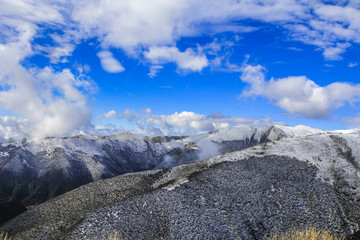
(318, 149)
(336, 154)
(34, 171)
(277, 178)
(299, 130)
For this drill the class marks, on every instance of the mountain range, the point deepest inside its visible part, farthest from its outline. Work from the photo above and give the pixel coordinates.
(235, 183)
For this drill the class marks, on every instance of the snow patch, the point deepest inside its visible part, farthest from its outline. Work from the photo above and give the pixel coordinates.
(4, 154)
(177, 183)
(321, 150)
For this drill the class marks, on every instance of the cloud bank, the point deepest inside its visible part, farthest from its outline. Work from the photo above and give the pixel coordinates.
(183, 123)
(44, 101)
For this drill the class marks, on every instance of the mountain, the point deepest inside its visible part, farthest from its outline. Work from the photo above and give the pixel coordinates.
(295, 180)
(33, 171)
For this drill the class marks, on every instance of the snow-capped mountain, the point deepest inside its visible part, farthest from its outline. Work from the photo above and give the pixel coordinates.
(295, 177)
(32, 171)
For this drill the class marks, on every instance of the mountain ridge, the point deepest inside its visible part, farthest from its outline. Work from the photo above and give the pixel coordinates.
(85, 159)
(34, 171)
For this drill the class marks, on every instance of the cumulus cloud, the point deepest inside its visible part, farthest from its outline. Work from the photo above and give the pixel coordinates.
(51, 103)
(188, 60)
(334, 53)
(109, 63)
(298, 94)
(125, 24)
(45, 102)
(183, 123)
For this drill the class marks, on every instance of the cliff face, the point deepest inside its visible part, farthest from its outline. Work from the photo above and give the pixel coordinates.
(271, 187)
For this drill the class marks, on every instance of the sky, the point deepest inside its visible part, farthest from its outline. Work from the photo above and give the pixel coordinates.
(179, 67)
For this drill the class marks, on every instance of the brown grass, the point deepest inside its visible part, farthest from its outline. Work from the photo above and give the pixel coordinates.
(310, 233)
(114, 236)
(4, 237)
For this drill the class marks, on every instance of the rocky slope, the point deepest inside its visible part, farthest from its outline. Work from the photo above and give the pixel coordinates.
(32, 172)
(312, 179)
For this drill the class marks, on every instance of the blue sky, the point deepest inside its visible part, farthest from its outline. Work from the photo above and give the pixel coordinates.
(157, 67)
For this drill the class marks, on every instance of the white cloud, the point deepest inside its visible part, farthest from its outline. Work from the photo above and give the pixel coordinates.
(32, 11)
(45, 102)
(154, 70)
(51, 103)
(110, 114)
(295, 49)
(353, 64)
(13, 128)
(334, 53)
(298, 94)
(139, 25)
(333, 28)
(345, 15)
(109, 63)
(183, 123)
(133, 24)
(188, 60)
(127, 24)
